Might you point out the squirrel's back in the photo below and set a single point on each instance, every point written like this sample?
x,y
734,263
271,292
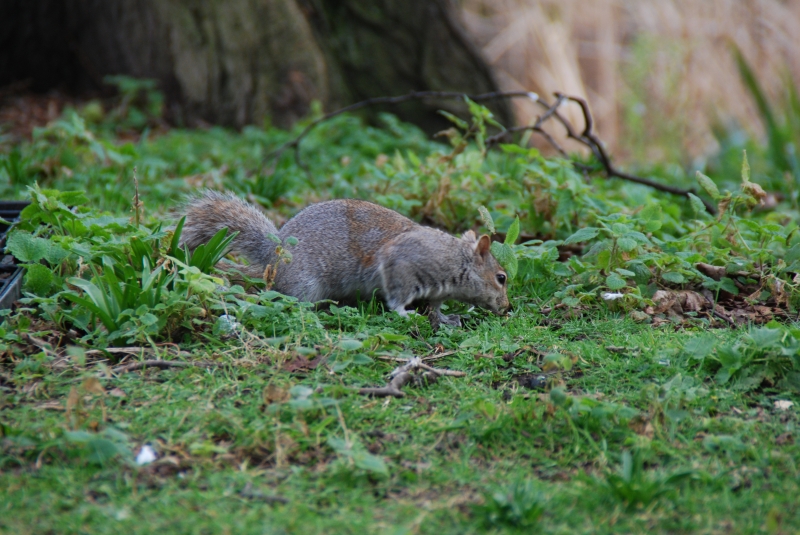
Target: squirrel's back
x,y
336,254
349,248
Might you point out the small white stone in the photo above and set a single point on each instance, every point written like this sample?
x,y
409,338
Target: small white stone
x,y
146,455
783,404
609,296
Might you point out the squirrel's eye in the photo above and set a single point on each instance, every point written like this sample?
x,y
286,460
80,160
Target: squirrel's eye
x,y
501,278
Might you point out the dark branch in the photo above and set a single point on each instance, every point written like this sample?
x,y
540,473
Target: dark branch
x,y
587,138
414,95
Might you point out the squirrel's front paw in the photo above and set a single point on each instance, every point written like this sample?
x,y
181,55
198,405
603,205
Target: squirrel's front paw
x,y
437,318
452,319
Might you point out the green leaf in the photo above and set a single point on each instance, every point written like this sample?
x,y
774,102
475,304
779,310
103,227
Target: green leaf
x,y
559,397
674,277
348,344
651,212
370,463
697,204
584,234
730,357
701,346
615,282
652,226
38,279
627,244
460,123
604,259
505,257
486,217
766,338
745,168
513,232
708,185
728,285
26,247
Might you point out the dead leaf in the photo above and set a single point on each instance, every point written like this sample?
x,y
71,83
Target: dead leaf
x,y
275,394
784,439
641,426
302,364
715,272
117,393
691,301
92,385
755,191
51,406
72,400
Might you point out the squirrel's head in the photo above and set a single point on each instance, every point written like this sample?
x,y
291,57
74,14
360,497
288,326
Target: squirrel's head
x,y
491,286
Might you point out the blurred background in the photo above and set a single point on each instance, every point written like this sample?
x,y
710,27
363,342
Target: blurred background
x,y
670,82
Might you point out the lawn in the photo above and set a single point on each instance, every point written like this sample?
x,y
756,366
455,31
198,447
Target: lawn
x,y
631,389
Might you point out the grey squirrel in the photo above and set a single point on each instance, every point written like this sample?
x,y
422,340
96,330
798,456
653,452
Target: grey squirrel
x,y
349,248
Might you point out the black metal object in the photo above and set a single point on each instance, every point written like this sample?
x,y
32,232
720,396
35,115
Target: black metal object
x,y
10,273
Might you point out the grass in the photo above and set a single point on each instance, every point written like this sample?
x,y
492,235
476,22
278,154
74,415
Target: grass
x,y
576,420
445,446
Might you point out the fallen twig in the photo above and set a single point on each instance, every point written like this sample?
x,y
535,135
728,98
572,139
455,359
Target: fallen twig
x,y
250,494
161,364
392,389
133,350
41,344
402,375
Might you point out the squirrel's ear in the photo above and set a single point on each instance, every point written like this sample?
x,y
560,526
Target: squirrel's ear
x,y
483,245
469,237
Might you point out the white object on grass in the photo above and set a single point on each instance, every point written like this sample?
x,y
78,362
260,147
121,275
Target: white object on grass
x,y
146,455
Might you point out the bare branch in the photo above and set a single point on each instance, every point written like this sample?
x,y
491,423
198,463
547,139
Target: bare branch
x,y
402,375
589,139
414,95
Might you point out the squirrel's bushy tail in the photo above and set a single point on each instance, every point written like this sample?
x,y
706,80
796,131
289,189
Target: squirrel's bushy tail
x,y
211,211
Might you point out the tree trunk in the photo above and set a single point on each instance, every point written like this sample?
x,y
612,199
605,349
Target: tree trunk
x,y
392,47
237,62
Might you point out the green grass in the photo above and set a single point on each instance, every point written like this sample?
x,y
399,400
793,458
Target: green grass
x,y
599,424
445,446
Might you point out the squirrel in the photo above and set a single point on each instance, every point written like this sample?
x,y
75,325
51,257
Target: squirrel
x,y
348,248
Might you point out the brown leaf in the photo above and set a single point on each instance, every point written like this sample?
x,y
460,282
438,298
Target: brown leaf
x,y
92,385
51,406
663,300
72,399
641,426
691,301
715,272
275,394
755,191
301,364
784,439
117,393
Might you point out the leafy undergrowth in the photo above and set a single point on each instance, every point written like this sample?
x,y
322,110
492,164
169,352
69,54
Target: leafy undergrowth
x,y
647,381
